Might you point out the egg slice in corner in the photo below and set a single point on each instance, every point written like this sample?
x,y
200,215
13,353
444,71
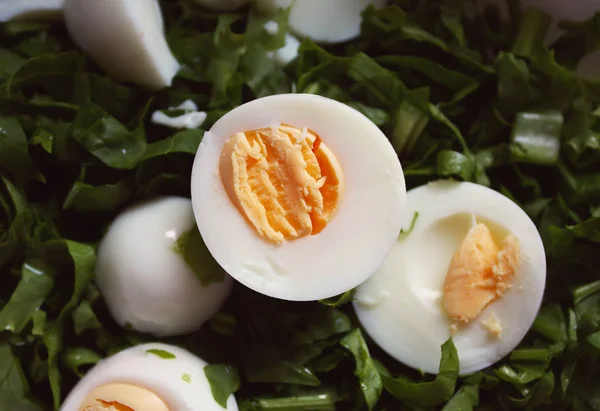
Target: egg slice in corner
x,y
473,267
124,37
297,196
147,377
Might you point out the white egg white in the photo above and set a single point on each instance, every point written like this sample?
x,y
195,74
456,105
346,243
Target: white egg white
x,y
124,37
401,306
148,285
30,9
331,21
180,382
356,240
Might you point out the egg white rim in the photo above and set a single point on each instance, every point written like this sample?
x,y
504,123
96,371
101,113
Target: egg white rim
x,y
304,281
489,205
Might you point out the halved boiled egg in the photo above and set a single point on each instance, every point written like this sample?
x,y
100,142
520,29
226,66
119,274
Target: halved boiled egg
x,y
473,267
297,196
147,377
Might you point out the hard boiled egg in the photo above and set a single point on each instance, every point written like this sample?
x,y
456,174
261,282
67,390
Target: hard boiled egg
x,y
124,37
148,377
30,9
146,283
473,267
332,21
297,196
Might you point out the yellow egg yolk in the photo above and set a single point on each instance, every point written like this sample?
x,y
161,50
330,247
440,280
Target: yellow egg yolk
x,y
285,181
122,397
479,273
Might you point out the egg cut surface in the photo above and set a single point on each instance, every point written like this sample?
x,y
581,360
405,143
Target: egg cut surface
x,y
124,37
473,268
331,21
146,283
147,377
297,196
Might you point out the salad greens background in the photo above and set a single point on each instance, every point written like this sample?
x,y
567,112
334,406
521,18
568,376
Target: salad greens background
x,y
460,94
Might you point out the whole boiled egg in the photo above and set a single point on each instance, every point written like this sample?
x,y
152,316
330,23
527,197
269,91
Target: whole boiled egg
x,y
147,377
297,196
472,267
331,21
124,37
143,274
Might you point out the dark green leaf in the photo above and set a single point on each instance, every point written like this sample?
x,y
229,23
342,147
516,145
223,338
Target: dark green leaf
x,y
192,248
429,393
224,381
107,139
78,359
27,298
84,197
14,154
370,380
14,391
452,163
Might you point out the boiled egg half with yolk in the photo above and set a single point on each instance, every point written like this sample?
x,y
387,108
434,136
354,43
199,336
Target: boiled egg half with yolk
x,y
147,377
473,267
297,196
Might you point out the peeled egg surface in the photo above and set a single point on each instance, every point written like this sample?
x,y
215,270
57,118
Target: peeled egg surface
x,y
402,306
332,21
147,284
30,9
126,38
333,246
152,377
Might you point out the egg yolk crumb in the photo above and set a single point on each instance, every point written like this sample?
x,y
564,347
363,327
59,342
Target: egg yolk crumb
x,y
122,397
284,180
479,273
492,323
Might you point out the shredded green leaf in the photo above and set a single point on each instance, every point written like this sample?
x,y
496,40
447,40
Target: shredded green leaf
x,y
165,355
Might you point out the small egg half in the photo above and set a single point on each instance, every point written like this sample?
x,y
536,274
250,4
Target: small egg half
x,y
473,267
147,377
297,196
146,282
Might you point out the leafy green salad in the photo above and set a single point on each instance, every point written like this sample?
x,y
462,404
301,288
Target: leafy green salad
x,y
460,92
